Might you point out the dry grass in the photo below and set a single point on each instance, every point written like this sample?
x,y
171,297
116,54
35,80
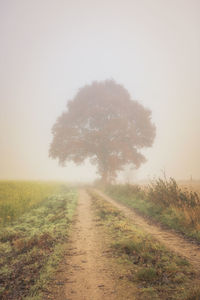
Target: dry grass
x,y
192,215
184,200
193,185
176,205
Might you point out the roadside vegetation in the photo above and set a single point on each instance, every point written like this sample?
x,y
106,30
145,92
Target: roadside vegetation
x,y
164,201
32,246
155,271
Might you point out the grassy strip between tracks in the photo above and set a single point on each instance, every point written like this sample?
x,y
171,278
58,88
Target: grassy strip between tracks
x,y
157,272
32,247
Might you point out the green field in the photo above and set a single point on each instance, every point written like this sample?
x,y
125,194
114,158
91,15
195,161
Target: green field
x,y
17,197
36,219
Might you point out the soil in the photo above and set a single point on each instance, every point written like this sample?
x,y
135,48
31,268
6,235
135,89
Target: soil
x,y
172,240
88,271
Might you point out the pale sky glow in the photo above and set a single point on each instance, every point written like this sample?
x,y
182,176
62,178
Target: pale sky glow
x,y
51,48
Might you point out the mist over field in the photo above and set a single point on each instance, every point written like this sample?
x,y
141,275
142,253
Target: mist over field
x,y
50,49
99,149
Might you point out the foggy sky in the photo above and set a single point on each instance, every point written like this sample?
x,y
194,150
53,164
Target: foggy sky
x,y
51,48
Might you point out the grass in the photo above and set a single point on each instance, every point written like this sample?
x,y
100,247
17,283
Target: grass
x,y
157,272
17,197
32,246
164,201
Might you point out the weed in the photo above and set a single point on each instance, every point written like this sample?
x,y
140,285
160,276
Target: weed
x,y
147,274
164,201
194,294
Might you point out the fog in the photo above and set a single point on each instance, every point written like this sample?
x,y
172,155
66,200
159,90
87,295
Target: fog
x,y
49,49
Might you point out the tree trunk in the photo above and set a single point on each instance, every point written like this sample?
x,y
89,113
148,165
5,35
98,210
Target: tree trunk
x,y
105,177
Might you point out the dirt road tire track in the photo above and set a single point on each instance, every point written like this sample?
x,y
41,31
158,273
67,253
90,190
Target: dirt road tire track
x,y
171,240
90,274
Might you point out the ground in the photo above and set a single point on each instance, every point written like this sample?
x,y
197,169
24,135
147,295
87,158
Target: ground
x,y
88,270
172,240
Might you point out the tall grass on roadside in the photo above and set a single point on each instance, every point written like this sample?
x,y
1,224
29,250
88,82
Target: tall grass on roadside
x,y
184,203
17,197
167,192
165,201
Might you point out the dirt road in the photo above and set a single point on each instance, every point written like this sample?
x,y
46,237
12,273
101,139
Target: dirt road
x,y
171,240
90,274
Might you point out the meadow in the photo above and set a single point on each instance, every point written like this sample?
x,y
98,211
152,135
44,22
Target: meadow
x,y
174,205
17,197
36,219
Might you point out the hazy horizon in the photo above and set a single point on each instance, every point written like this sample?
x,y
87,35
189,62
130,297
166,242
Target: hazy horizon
x,y
50,49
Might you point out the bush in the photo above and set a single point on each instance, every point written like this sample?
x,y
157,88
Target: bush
x,y
167,192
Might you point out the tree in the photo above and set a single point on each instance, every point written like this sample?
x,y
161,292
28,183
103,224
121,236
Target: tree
x,y
103,124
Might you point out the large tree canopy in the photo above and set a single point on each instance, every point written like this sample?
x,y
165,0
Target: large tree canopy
x,y
103,124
